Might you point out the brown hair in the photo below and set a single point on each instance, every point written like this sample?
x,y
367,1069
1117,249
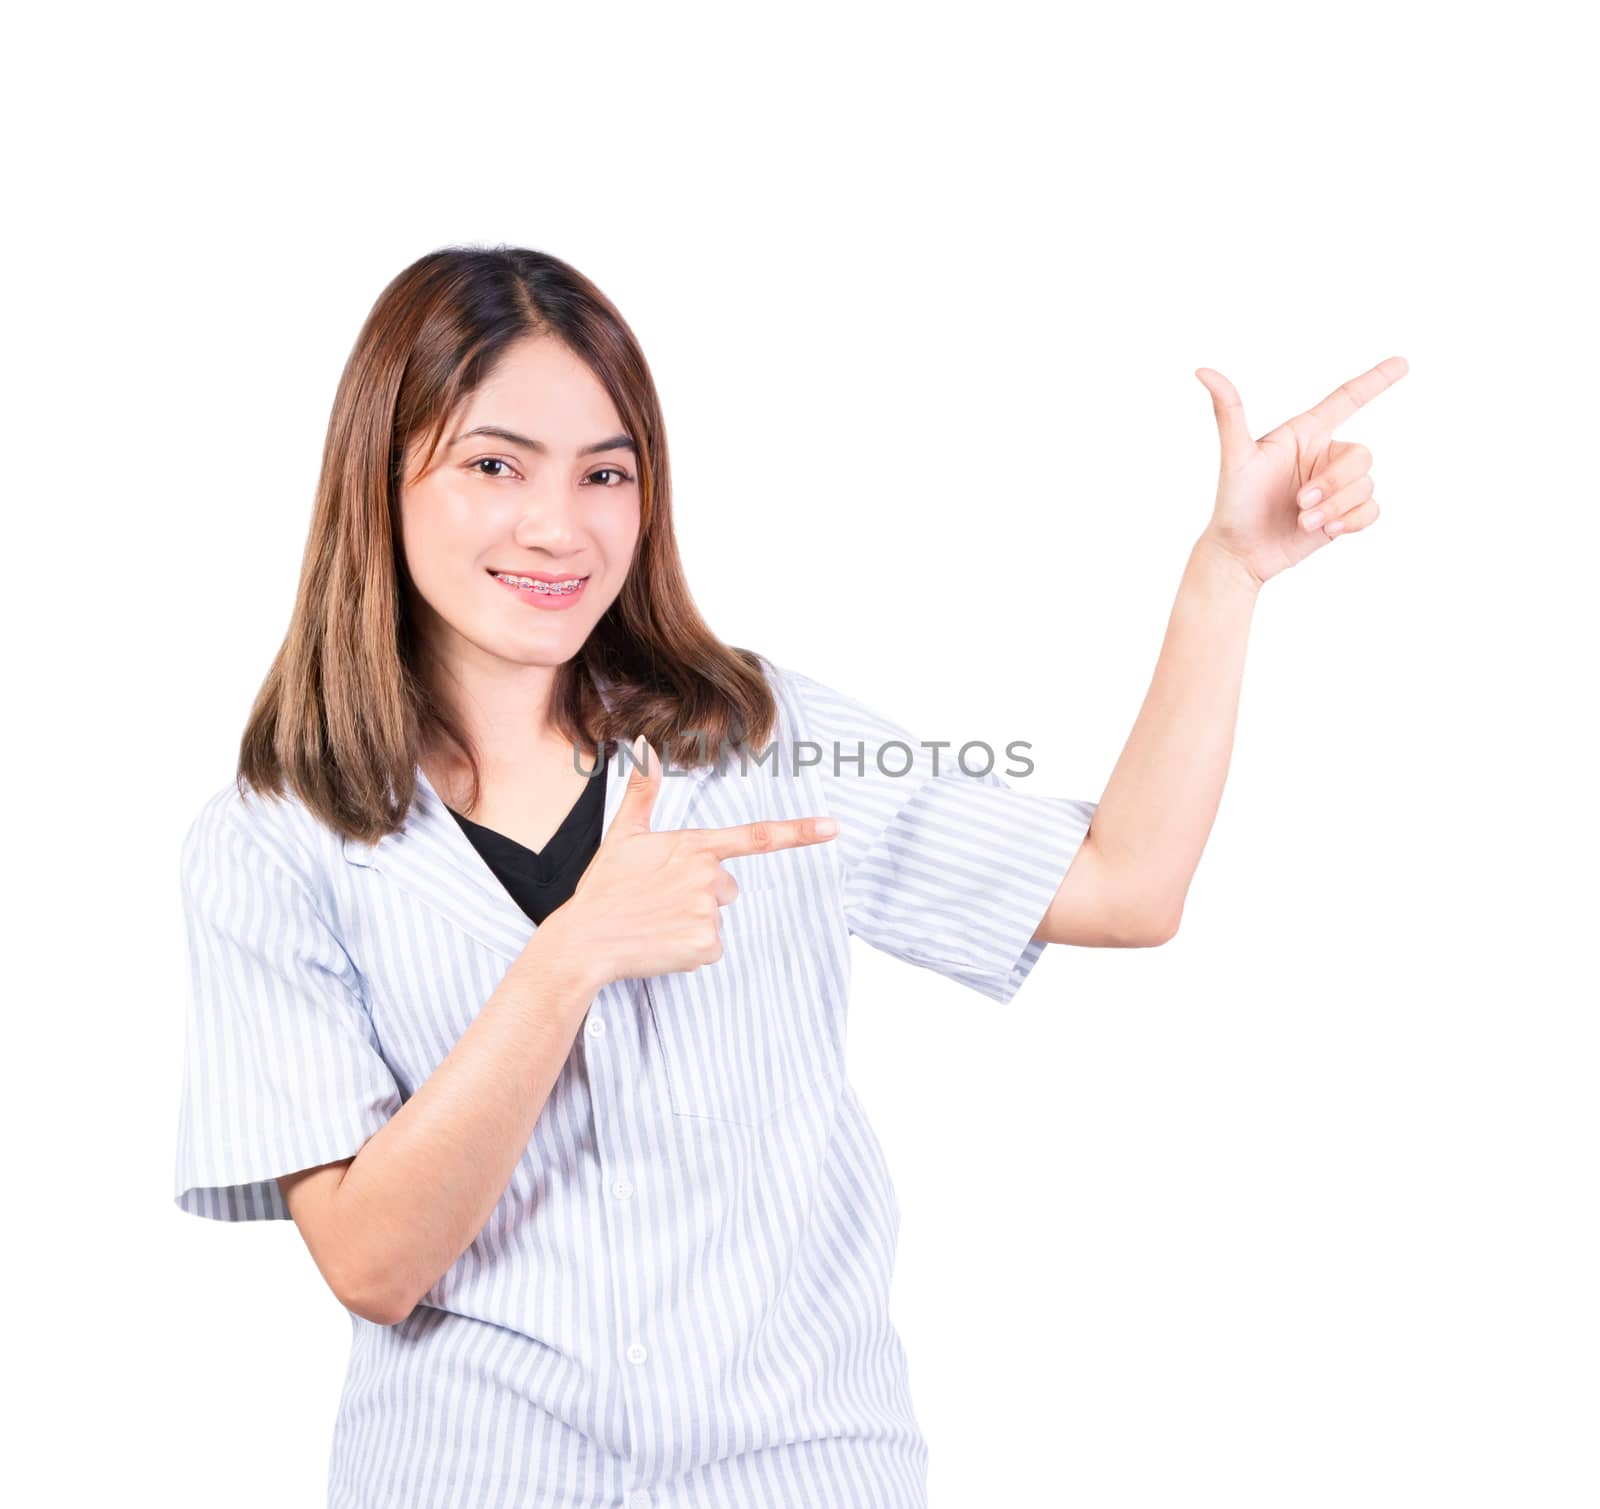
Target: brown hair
x,y
345,711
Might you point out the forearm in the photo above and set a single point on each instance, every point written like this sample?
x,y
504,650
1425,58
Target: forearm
x,y
424,1186
1151,825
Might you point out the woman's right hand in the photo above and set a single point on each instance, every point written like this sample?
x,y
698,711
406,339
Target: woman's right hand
x,y
650,903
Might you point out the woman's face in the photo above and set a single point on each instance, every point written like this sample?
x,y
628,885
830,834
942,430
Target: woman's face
x,y
554,496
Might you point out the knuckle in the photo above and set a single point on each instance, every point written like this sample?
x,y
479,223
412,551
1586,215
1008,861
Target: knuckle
x,y
761,837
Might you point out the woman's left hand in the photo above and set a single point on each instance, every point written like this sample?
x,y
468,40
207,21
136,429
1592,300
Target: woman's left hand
x,y
1265,514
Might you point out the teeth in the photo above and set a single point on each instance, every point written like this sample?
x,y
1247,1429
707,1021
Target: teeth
x,y
557,589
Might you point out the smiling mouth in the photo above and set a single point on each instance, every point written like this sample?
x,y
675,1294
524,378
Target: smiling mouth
x,y
563,586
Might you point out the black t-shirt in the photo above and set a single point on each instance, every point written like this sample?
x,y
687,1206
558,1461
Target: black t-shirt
x,y
541,880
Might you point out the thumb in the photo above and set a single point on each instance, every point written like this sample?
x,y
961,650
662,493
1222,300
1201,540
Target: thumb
x,y
644,781
1231,428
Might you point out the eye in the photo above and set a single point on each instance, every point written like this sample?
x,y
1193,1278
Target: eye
x,y
616,471
490,461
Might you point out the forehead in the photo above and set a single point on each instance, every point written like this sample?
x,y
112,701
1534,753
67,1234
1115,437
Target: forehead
x,y
539,380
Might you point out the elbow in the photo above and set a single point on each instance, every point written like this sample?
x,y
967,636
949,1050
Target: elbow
x,y
375,1301
1119,929
379,1310
1105,905
1156,936
1150,929
1152,918
1163,927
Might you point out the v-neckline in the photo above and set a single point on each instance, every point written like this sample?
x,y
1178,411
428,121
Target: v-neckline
x,y
557,848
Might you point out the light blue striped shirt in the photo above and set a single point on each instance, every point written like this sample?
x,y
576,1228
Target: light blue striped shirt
x,y
681,1300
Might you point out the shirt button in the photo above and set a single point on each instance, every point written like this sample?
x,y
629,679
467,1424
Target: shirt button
x,y
637,1353
622,1189
597,1026
638,1499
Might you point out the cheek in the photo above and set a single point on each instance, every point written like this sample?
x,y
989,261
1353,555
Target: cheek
x,y
448,514
617,529
443,535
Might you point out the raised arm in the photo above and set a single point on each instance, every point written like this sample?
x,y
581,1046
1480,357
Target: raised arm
x,y
1279,499
1126,887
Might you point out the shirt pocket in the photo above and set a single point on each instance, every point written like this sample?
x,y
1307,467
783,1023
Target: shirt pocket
x,y
745,1039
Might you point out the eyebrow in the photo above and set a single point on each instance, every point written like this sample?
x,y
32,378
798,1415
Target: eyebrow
x,y
511,437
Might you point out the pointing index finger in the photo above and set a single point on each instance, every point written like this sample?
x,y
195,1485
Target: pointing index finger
x,y
1340,404
763,838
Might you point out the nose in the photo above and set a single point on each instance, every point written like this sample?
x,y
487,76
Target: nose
x,y
550,521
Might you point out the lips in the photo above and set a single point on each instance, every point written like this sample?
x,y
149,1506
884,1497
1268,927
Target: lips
x,y
546,594
542,576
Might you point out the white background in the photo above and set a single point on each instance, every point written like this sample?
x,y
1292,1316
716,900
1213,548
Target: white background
x,y
1297,1209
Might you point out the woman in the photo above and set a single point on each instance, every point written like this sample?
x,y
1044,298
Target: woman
x,y
540,1045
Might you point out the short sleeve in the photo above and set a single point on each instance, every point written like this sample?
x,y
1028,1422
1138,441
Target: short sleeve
x,y
946,870
281,1065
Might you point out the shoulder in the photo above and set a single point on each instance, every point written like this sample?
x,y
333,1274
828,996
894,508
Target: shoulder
x,y
796,697
785,681
236,828
803,701
819,711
